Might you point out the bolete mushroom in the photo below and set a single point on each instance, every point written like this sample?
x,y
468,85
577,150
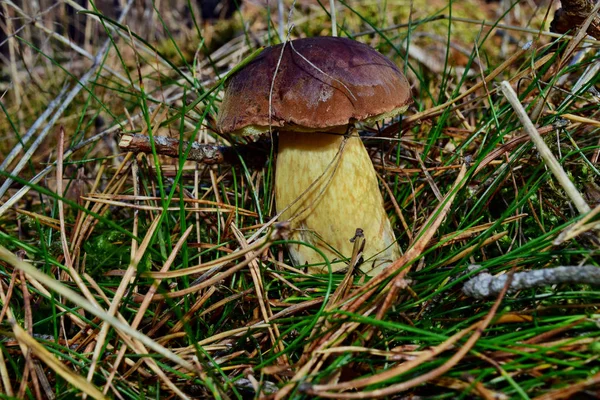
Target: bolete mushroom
x,y
313,91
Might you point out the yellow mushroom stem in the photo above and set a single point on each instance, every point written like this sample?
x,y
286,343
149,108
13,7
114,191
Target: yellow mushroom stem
x,y
344,196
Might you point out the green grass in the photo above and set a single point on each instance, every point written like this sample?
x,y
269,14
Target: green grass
x,y
164,80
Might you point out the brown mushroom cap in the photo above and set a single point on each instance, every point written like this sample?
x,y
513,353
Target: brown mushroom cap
x,y
348,81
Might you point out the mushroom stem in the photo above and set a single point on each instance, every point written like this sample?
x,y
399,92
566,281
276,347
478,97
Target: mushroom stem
x,y
327,187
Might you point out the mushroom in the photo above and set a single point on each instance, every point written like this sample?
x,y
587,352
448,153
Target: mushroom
x,y
313,91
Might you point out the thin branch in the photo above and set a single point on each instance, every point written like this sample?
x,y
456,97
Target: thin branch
x,y
201,153
486,285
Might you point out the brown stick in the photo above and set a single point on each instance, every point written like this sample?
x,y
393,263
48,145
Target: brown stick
x,y
572,14
202,153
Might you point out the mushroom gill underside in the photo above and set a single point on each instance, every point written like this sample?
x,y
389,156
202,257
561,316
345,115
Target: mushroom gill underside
x,y
328,188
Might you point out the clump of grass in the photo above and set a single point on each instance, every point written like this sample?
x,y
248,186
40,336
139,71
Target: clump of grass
x,y
141,275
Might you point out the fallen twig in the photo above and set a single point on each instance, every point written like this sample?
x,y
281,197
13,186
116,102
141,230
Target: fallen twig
x,y
486,285
202,153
